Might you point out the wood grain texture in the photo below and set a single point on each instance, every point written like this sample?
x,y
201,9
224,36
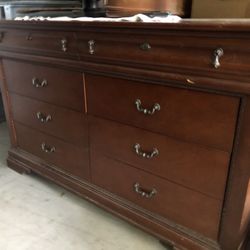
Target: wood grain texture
x,y
171,201
31,141
202,107
65,88
39,42
25,112
187,164
192,116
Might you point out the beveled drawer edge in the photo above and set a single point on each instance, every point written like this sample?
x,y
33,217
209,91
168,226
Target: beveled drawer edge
x,y
165,78
173,182
22,159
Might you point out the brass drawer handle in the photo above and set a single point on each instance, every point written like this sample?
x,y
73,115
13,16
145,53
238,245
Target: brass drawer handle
x,y
139,152
218,53
91,44
139,107
143,192
47,149
42,117
145,47
39,84
64,43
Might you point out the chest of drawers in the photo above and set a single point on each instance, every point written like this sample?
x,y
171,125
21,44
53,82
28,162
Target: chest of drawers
x,y
148,121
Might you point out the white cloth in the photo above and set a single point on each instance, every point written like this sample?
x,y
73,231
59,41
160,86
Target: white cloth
x,y
135,18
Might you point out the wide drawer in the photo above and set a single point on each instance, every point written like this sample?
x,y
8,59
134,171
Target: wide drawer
x,y
189,115
70,159
66,124
168,51
183,206
52,85
62,44
200,168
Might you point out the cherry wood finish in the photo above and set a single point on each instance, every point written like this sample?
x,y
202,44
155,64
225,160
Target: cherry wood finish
x,y
19,76
95,73
178,52
210,123
181,203
25,110
39,42
175,161
31,141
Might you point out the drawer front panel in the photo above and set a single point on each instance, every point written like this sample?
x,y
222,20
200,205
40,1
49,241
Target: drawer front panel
x,y
71,159
195,54
202,118
66,124
200,168
52,85
183,206
39,42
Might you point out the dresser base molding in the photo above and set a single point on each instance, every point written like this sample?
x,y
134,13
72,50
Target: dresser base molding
x,y
167,232
18,166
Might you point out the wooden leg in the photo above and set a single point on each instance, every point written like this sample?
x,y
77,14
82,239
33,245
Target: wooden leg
x,y
16,166
167,245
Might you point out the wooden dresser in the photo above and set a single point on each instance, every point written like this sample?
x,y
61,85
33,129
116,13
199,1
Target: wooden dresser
x,y
149,121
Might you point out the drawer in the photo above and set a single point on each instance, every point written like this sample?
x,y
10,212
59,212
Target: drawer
x,y
52,85
183,206
198,117
66,157
41,42
169,51
187,164
66,124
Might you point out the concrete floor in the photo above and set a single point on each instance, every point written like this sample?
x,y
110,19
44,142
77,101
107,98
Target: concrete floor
x,y
38,215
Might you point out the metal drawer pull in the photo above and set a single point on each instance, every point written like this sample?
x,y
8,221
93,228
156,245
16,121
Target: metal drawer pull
x,y
39,84
64,44
42,117
156,107
218,53
143,192
139,152
145,46
47,149
91,44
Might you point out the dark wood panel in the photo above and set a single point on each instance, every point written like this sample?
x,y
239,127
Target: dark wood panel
x,y
168,50
66,124
62,44
172,201
181,54
199,117
64,88
71,159
202,169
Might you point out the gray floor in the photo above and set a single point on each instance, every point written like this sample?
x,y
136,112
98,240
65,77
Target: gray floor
x,y
36,214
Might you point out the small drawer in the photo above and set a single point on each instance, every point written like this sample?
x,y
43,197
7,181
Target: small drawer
x,y
70,159
168,52
54,43
176,203
186,164
52,85
194,116
66,124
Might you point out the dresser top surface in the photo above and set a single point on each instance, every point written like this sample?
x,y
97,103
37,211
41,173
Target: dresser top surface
x,y
234,25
